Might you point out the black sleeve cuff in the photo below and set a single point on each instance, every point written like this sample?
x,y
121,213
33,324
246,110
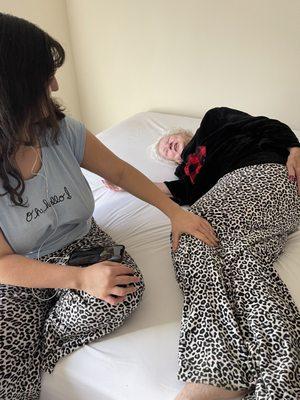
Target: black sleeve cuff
x,y
178,191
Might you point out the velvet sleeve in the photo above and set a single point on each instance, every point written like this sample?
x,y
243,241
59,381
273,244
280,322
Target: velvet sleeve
x,y
223,122
218,117
277,135
180,190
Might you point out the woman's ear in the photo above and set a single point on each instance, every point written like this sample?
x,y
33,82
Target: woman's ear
x,y
53,85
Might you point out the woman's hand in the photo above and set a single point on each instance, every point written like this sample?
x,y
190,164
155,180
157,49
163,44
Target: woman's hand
x,y
111,186
102,279
187,222
293,166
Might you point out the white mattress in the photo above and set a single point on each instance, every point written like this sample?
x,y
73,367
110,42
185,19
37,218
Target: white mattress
x,y
139,361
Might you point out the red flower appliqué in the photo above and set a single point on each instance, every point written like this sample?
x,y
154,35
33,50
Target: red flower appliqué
x,y
195,162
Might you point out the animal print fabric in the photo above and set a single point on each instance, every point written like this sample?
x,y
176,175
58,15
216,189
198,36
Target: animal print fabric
x,y
35,334
240,327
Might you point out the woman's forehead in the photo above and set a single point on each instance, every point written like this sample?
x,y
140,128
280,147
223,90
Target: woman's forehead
x,y
163,139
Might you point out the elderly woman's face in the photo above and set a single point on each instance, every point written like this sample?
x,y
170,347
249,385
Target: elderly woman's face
x,y
171,147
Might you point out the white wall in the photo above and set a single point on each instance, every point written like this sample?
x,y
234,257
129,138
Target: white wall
x,y
185,56
51,16
177,56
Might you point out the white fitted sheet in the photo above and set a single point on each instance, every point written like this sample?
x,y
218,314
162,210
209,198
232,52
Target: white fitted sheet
x,y
139,361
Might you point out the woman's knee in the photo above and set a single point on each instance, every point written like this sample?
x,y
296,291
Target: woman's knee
x,y
134,298
76,311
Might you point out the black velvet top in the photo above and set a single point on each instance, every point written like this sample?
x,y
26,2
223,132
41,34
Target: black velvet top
x,y
226,140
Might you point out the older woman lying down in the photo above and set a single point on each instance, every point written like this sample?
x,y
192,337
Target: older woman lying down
x,y
240,326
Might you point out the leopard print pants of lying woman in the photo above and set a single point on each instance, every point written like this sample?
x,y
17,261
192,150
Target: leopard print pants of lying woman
x,y
240,326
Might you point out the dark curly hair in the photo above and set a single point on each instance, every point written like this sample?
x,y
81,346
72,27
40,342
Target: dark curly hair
x,y
29,58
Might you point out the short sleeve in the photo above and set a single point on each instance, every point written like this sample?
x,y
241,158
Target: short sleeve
x,y
74,132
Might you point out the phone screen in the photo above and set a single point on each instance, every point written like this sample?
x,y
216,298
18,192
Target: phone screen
x,y
92,256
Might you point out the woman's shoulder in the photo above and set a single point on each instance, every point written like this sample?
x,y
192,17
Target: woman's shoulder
x,y
71,130
68,128
72,136
70,124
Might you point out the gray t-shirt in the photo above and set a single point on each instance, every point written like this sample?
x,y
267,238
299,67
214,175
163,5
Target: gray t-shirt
x,y
36,230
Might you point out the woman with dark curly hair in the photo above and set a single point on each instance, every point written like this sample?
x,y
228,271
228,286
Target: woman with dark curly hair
x,y
46,209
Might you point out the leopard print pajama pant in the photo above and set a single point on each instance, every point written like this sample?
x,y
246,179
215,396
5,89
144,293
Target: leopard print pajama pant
x,y
35,334
240,327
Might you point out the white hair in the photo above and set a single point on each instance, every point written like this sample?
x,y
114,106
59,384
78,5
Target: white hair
x,y
153,148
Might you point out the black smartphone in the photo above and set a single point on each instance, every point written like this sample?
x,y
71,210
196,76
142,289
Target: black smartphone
x,y
84,258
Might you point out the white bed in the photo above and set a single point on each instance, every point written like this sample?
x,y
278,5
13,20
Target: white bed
x,y
139,361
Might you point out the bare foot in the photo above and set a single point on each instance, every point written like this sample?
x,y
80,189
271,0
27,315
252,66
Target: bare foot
x,y
198,391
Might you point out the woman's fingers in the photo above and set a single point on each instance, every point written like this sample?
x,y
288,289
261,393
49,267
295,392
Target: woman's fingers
x,y
105,183
291,172
192,224
120,291
294,174
126,280
208,239
298,179
204,226
208,231
175,240
293,166
207,225
204,235
114,300
119,269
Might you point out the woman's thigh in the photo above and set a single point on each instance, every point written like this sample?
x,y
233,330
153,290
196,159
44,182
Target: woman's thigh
x,y
251,201
22,317
78,318
252,211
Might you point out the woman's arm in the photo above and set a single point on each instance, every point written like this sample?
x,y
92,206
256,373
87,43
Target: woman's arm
x,y
101,161
163,187
18,270
100,282
116,188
